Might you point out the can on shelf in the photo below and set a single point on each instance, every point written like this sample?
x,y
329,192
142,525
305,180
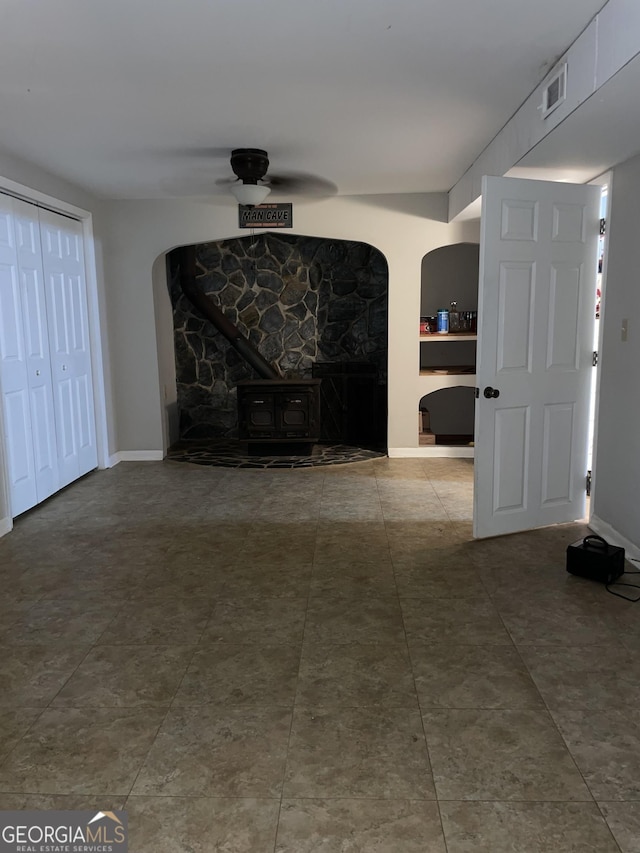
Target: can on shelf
x,y
443,321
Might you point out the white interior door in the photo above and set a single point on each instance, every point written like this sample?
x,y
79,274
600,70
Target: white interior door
x,y
63,261
538,265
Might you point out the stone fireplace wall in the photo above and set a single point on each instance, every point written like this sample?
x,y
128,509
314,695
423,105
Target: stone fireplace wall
x,y
299,300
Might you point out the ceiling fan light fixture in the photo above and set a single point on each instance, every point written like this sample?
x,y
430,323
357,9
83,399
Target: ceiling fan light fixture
x,y
250,194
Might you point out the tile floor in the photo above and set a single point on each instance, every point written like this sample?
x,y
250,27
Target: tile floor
x,y
314,660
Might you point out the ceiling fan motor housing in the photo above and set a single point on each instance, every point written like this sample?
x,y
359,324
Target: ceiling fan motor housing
x,y
249,164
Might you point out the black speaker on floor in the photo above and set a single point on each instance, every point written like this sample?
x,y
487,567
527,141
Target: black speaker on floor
x,y
593,558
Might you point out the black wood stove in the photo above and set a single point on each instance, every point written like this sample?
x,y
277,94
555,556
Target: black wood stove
x,y
279,415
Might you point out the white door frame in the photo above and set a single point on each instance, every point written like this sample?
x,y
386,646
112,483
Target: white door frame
x,y
95,327
603,180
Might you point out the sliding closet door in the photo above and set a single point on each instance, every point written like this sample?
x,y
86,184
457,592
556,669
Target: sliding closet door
x,y
64,275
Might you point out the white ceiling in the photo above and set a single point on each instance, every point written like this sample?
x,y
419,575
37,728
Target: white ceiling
x,y
146,98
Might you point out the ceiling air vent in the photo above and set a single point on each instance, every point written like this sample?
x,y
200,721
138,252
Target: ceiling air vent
x,y
555,91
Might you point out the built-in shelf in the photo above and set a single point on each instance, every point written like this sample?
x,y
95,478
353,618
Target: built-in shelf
x,y
449,336
446,375
429,381
455,370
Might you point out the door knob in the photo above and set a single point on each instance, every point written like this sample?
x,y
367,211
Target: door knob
x,y
37,373
491,392
64,366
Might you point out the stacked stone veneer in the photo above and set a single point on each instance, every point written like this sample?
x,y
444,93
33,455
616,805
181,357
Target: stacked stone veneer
x,y
298,299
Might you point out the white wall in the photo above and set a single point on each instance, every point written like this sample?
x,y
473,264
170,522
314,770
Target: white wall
x,y
616,501
15,172
404,228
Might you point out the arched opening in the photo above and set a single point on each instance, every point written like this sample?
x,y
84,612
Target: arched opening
x,y
447,360
312,307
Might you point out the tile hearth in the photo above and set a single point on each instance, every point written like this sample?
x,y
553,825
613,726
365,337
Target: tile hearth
x,y
318,659
228,453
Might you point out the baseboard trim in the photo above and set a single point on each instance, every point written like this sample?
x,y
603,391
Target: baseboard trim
x,y
611,535
433,450
6,525
136,456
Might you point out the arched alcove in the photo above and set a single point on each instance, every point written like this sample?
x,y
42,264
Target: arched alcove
x,y
447,362
450,273
301,301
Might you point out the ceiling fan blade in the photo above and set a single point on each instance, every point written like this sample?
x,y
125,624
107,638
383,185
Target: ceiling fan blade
x,y
301,183
186,153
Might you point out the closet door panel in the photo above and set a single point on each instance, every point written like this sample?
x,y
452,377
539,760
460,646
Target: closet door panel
x,y
38,357
61,368
85,425
18,440
68,457
12,340
39,379
13,371
63,260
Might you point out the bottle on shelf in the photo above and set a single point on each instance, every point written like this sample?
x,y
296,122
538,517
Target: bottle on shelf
x,y
454,317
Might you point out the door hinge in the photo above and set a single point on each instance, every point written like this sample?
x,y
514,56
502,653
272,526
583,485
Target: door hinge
x,y
603,227
588,483
594,358
477,393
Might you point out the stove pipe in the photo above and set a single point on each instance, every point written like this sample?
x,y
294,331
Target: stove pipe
x,y
206,306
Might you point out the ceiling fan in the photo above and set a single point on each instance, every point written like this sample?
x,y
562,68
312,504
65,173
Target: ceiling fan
x,y
252,184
